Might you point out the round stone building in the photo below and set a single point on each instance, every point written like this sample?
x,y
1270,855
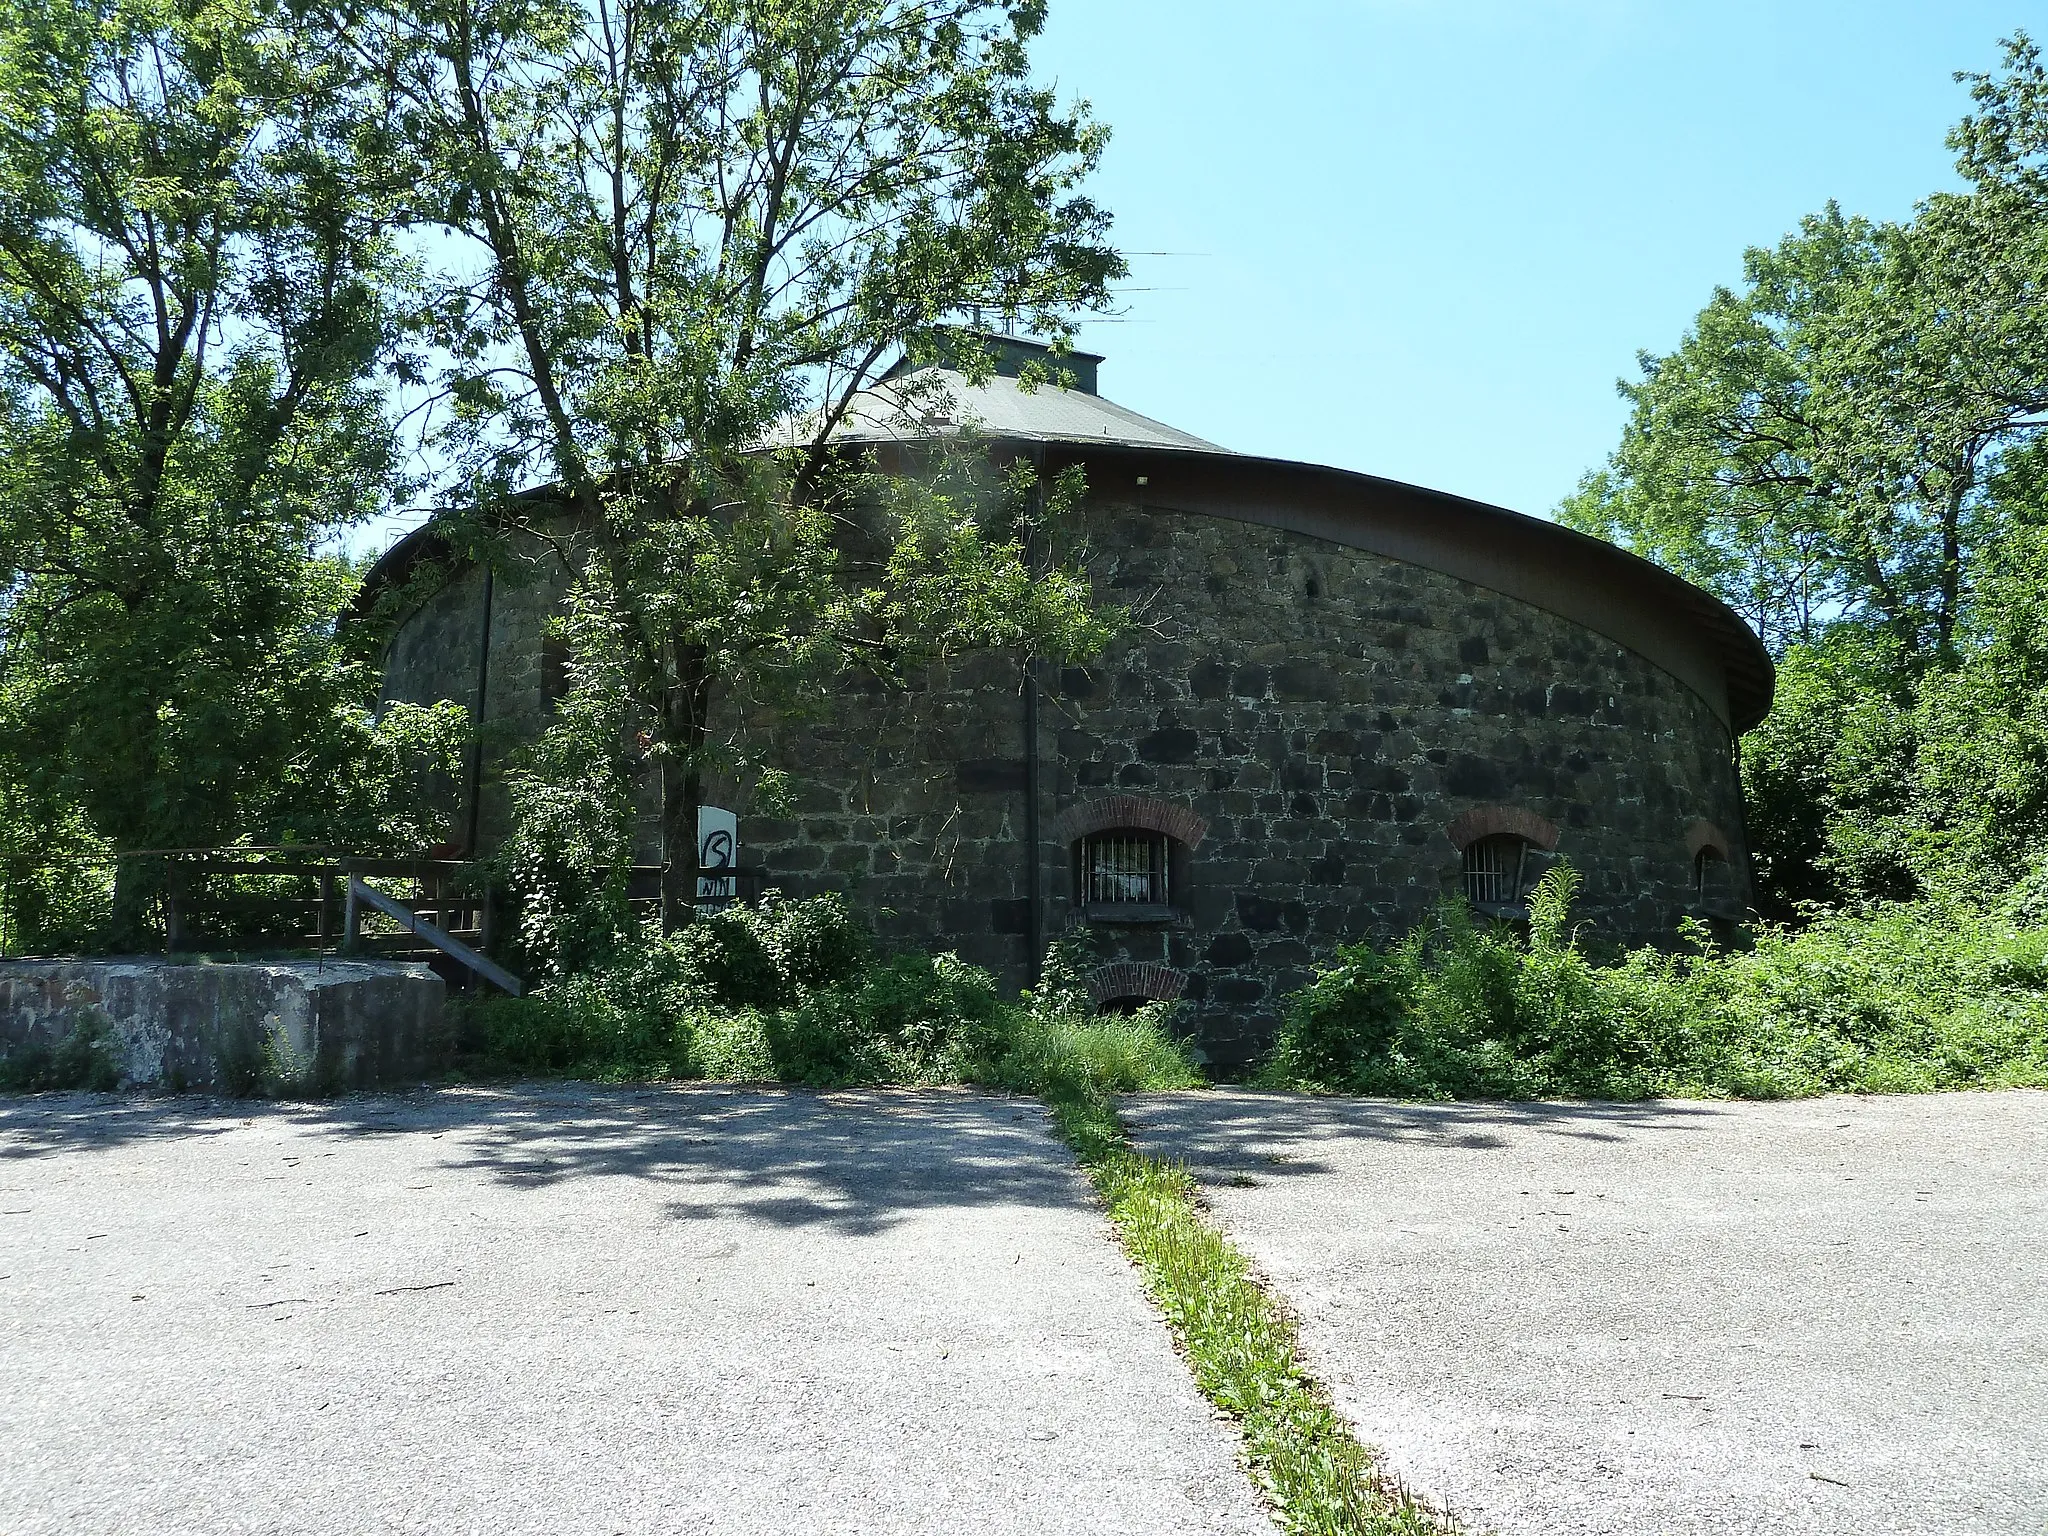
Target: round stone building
x,y
1344,699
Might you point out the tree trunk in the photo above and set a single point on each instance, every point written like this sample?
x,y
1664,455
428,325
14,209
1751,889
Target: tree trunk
x,y
682,792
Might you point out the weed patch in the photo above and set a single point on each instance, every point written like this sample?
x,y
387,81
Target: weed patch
x,y
85,1057
1238,1341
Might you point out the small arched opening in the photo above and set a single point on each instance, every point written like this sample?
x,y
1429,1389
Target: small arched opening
x,y
1130,857
1500,849
1130,985
1713,873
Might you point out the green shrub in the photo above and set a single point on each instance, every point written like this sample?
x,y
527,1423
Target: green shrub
x,y
1899,998
794,991
85,1057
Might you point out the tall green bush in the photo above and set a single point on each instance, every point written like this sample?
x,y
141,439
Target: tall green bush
x,y
795,991
1897,998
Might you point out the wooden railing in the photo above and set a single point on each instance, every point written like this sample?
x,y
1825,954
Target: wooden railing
x,y
297,898
361,896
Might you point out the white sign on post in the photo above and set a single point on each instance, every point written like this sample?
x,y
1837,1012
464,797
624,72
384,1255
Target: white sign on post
x,y
718,847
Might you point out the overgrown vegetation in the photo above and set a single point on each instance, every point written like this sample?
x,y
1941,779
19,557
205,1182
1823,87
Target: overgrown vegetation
x,y
1899,998
798,992
84,1057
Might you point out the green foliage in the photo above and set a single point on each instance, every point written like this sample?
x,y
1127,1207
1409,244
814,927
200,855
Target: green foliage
x,y
1848,450
1899,998
191,323
698,230
794,991
85,1057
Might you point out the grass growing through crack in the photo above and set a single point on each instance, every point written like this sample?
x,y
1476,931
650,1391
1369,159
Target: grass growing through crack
x,y
796,991
1239,1343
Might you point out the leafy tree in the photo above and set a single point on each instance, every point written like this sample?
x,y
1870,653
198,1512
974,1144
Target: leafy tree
x,y
189,325
688,234
1822,447
1847,452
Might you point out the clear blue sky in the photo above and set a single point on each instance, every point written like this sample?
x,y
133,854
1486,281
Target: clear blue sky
x,y
1425,237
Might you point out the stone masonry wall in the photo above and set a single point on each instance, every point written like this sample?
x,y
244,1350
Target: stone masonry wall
x,y
1326,711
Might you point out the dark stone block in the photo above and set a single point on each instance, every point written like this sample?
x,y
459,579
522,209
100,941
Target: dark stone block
x,y
1305,806
1573,701
1094,775
1228,949
1472,651
803,856
1210,680
1175,744
1079,746
1262,915
1377,776
1237,991
1284,952
1475,778
1221,779
1328,870
1136,776
989,776
1009,916
1077,683
1304,682
1248,683
1300,773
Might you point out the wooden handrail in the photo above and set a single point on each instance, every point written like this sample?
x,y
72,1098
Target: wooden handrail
x,y
447,944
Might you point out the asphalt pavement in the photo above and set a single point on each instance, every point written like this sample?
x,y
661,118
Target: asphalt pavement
x,y
1826,1317
562,1310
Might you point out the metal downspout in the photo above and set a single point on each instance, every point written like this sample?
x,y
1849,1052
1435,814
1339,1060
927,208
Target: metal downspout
x,y
483,685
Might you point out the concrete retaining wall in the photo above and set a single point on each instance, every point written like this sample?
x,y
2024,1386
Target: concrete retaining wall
x,y
295,1026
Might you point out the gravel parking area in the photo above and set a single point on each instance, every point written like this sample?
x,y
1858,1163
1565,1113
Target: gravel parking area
x,y
560,1309
1827,1317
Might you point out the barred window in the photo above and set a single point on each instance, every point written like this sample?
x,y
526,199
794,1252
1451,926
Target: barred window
x,y
1125,868
1496,870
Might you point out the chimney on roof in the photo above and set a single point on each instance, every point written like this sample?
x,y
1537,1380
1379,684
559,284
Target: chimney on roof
x,y
1012,355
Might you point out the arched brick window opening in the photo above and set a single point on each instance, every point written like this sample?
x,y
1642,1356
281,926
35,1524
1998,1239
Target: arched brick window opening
x,y
1496,871
1130,856
1128,986
1497,845
1712,876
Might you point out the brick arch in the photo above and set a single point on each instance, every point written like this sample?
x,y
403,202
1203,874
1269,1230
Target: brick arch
x,y
1118,812
1703,836
1147,979
1497,820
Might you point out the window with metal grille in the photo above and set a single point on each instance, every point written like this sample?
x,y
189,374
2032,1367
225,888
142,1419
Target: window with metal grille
x,y
1495,870
1125,869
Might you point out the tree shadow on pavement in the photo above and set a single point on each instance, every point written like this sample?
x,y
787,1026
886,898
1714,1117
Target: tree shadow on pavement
x,y
1279,1134
857,1161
